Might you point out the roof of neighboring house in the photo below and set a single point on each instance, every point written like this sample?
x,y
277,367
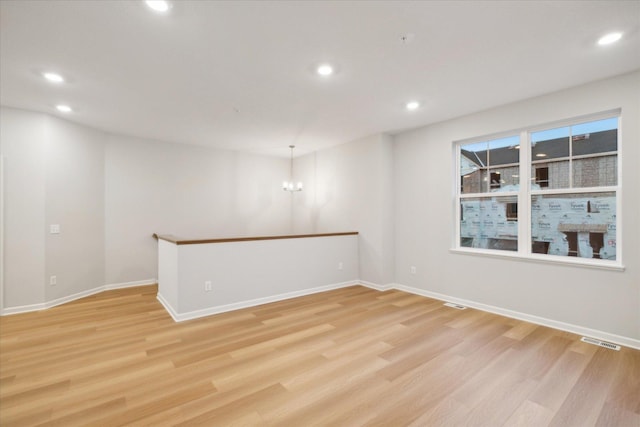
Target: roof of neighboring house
x,y
596,142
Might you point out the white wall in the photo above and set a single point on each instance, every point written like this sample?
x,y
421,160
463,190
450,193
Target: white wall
x,y
188,191
250,272
109,194
398,195
53,174
603,300
22,139
74,199
349,188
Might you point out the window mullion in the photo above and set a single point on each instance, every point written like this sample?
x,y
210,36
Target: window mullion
x,y
574,217
524,199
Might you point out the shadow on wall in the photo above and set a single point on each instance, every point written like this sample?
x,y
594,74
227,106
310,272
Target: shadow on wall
x,y
318,195
252,200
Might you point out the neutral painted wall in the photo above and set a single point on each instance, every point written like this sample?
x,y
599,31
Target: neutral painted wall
x,y
603,300
109,194
188,191
350,188
253,270
53,174
74,199
398,195
22,139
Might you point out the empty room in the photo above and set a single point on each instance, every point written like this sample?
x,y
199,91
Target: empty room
x,y
319,213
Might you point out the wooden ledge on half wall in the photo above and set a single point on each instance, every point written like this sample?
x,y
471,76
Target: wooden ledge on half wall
x,y
180,241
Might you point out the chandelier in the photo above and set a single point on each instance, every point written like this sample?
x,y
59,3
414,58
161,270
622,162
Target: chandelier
x,y
289,185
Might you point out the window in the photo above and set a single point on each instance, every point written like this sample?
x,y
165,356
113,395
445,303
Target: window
x,y
495,180
566,208
489,171
542,176
512,211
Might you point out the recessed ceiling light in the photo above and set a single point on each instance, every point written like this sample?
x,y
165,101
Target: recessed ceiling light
x,y
53,77
541,155
161,6
609,38
63,108
325,70
413,105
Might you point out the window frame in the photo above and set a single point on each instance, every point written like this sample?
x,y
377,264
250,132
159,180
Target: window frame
x,y
525,193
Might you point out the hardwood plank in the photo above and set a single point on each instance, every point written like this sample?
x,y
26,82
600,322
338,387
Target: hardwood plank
x,y
585,402
530,414
349,357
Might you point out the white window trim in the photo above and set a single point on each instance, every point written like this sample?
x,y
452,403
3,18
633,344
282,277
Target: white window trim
x,y
525,193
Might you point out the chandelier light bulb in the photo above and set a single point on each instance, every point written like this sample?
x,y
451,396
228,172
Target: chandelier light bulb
x,y
290,185
325,70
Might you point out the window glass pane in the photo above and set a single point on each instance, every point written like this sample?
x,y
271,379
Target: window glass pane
x,y
595,171
576,225
550,158
578,156
589,141
600,136
490,165
489,223
550,144
550,175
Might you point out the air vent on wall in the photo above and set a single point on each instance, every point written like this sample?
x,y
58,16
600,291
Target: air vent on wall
x,y
600,343
459,307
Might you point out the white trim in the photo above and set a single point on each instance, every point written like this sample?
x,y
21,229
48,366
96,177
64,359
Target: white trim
x,y
172,312
579,330
180,317
525,194
24,309
377,287
601,264
2,232
73,297
177,317
122,285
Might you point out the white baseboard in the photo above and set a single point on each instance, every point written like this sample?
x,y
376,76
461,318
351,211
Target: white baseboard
x,y
180,317
73,297
23,308
376,286
123,285
172,312
568,327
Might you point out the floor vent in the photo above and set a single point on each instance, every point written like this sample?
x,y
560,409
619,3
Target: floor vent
x,y
600,343
459,307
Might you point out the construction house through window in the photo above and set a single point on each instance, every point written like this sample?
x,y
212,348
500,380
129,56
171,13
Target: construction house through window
x,y
542,176
570,199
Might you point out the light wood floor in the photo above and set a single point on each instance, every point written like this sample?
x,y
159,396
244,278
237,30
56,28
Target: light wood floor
x,y
349,357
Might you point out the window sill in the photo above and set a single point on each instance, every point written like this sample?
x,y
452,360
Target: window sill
x,y
544,259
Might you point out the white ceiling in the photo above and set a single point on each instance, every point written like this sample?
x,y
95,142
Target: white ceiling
x,y
240,75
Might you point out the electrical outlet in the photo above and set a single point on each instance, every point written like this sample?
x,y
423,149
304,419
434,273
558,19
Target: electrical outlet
x,y
53,280
413,269
340,265
54,229
207,285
